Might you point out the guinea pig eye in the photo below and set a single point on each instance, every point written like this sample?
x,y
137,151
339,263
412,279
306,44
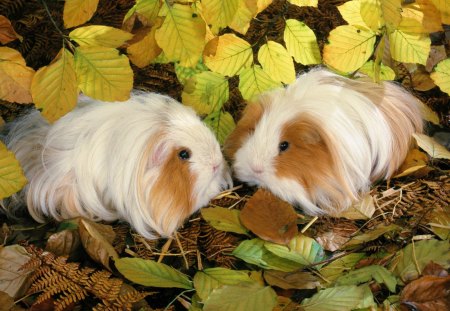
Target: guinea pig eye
x,y
283,146
184,154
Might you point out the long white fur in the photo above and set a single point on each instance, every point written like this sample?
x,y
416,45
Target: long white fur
x,y
96,156
369,125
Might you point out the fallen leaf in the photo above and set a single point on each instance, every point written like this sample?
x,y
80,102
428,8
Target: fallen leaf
x,y
221,123
7,32
363,209
433,148
63,243
372,234
434,269
286,304
337,233
428,293
291,280
12,177
6,301
144,51
224,219
77,12
414,161
270,218
335,269
362,275
422,81
96,240
13,280
437,54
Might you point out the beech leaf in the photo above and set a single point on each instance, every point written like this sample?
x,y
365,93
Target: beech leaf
x,y
103,74
143,52
378,13
432,147
440,222
441,75
421,16
7,32
301,42
246,11
269,217
386,72
77,12
15,77
428,293
334,270
349,47
372,234
219,13
185,73
145,10
228,54
224,219
221,123
252,297
312,3
378,273
351,13
291,280
276,61
443,7
182,35
151,273
254,81
363,209
99,35
12,280
63,243
409,48
54,87
12,178
207,280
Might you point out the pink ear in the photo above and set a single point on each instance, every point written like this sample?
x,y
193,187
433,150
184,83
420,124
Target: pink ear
x,y
158,154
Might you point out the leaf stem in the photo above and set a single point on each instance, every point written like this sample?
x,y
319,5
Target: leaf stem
x,y
179,295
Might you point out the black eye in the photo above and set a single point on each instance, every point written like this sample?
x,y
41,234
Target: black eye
x,y
184,154
283,146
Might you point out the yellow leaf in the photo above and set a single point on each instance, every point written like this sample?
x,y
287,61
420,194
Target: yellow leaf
x,y
420,17
184,73
206,92
428,114
421,81
12,178
100,36
77,12
228,54
246,11
433,148
143,52
304,2
182,35
444,7
221,123
441,75
103,74
363,209
409,48
414,161
15,77
301,43
262,5
54,87
349,47
145,10
386,73
219,13
351,13
378,13
276,62
254,81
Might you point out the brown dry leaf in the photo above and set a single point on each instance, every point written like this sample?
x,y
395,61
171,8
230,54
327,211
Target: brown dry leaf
x,y
6,301
143,52
286,304
363,209
2,122
422,81
291,280
15,77
7,33
63,243
336,235
13,280
434,269
415,160
96,240
428,293
270,218
437,54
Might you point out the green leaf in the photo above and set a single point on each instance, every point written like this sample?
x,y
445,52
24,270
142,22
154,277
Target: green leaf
x,y
77,12
207,280
254,81
386,72
417,255
441,75
409,48
349,47
276,61
241,298
378,13
206,92
378,273
440,222
182,35
184,73
301,42
12,178
254,252
54,87
301,249
224,219
312,3
228,54
372,234
103,74
339,298
99,35
335,269
151,273
219,13
221,123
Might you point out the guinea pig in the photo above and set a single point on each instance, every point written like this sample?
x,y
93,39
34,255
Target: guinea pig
x,y
149,161
322,141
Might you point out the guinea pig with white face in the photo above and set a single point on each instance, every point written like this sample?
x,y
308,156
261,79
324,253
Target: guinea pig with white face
x,y
323,140
149,161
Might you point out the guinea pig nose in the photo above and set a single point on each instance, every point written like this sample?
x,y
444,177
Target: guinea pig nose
x,y
257,169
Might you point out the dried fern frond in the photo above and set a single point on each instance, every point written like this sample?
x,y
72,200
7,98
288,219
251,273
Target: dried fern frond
x,y
66,283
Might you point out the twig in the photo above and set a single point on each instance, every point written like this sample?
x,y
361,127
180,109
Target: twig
x,y
182,250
